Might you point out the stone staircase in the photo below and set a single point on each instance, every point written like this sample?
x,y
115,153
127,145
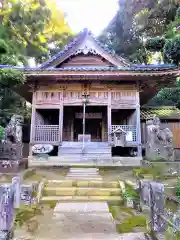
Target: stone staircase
x,y
74,151
81,184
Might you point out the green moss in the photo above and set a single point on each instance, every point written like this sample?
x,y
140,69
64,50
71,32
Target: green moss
x,y
126,210
117,210
32,175
25,213
123,228
113,211
128,224
52,204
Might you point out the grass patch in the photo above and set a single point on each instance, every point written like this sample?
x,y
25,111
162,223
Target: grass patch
x,y
115,213
154,170
128,224
126,210
32,175
26,213
117,210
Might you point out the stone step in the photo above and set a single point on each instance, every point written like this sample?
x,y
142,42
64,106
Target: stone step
x,y
92,170
81,216
83,183
83,178
83,174
87,144
75,191
90,236
97,150
83,207
47,199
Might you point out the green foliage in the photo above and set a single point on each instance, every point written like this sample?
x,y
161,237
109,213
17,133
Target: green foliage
x,y
1,132
135,22
27,28
11,77
172,50
155,44
167,97
128,224
178,188
130,192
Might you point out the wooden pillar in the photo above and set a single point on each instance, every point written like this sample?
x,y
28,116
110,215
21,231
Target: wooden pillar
x,y
61,114
109,117
138,131
72,128
33,124
102,128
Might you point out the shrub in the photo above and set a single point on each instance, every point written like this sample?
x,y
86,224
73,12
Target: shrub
x,y
171,50
155,44
178,188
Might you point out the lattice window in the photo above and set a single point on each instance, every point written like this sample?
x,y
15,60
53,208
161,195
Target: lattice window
x,y
129,129
46,133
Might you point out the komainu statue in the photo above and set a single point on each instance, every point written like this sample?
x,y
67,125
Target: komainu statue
x,y
13,131
11,146
159,141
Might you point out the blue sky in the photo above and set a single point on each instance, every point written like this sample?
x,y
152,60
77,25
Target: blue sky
x,y
92,14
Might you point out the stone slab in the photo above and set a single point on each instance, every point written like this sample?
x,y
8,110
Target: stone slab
x,y
84,170
83,177
81,216
82,207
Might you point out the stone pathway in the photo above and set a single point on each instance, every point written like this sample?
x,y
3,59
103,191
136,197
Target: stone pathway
x,y
81,220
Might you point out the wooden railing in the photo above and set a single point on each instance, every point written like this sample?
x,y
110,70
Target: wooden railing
x,y
46,133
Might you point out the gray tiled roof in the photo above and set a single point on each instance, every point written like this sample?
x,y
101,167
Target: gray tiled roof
x,y
140,68
77,40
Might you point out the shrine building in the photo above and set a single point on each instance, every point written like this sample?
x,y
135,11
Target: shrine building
x,y
86,104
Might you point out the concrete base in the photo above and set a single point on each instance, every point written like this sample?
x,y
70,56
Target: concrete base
x,y
61,161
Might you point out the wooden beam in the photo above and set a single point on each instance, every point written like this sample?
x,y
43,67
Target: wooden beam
x,y
33,119
138,129
61,113
109,116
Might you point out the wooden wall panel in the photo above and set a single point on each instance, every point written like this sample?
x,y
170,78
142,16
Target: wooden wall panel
x,y
94,87
86,61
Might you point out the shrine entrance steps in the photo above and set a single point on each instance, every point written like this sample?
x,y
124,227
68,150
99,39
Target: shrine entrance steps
x,y
75,151
82,184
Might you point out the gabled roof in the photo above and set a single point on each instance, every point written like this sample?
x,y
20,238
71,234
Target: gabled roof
x,y
119,130
85,43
